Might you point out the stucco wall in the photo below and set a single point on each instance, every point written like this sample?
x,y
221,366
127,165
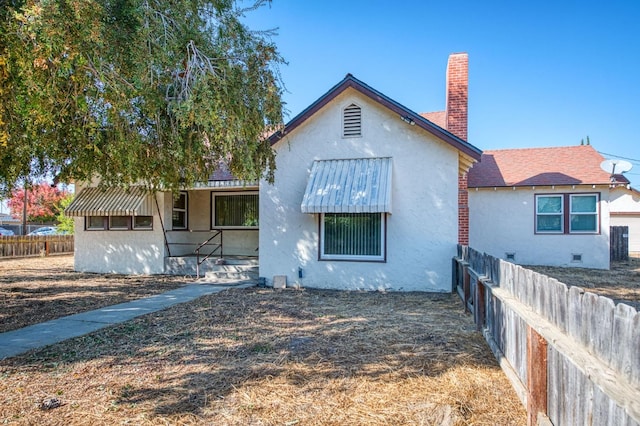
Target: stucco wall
x,y
421,231
502,221
625,211
122,252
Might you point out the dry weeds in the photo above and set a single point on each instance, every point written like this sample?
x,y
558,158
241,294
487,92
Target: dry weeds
x,y
621,283
265,357
37,289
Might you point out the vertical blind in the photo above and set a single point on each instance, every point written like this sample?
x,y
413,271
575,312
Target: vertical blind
x,y
353,234
236,210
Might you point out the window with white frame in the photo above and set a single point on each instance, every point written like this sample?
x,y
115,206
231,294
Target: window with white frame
x,y
352,236
179,215
567,214
584,213
352,121
549,213
235,210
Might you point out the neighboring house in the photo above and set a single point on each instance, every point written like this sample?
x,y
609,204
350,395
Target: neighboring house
x,y
625,211
365,197
542,206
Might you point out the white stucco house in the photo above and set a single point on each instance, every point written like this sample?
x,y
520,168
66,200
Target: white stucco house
x,y
543,206
625,211
365,197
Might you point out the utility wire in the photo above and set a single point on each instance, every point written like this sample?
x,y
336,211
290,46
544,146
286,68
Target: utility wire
x,y
618,156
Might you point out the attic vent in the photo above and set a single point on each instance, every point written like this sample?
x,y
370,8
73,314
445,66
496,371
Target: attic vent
x,y
352,121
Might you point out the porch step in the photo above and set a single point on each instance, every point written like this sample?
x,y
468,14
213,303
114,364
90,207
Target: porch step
x,y
232,272
234,268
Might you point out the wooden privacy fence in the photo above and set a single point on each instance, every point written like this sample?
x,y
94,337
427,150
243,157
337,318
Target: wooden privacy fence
x,y
572,356
35,245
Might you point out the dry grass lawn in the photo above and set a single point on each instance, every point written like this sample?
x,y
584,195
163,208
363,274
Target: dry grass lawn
x,y
264,357
34,290
621,283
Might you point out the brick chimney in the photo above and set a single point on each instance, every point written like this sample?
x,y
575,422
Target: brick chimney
x,y
457,94
456,116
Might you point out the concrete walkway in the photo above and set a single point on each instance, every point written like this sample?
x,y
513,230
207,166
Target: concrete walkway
x,y
15,342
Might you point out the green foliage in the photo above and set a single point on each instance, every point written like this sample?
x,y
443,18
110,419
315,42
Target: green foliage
x,y
134,91
65,223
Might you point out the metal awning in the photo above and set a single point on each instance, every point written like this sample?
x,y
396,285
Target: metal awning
x,y
361,185
94,201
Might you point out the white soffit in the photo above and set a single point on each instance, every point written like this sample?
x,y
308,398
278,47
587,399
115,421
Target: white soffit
x,y
361,185
95,201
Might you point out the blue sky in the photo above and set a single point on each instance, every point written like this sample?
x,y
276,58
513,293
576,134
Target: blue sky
x,y
545,73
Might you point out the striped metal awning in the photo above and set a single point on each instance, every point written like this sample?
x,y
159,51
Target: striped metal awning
x,y
94,201
361,185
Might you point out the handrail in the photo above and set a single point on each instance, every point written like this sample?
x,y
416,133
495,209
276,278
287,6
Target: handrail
x,y
216,247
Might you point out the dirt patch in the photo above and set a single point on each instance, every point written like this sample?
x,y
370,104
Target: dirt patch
x,y
268,357
38,289
620,283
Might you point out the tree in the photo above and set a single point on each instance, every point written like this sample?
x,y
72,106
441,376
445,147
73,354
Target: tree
x,y
43,203
65,223
134,91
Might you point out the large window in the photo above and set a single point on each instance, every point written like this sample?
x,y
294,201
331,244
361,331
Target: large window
x,y
352,236
235,211
180,210
584,213
550,217
567,213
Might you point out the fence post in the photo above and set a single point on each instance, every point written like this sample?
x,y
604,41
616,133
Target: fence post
x,y
537,376
466,286
479,306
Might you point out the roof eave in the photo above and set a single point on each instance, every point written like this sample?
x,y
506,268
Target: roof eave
x,y
351,82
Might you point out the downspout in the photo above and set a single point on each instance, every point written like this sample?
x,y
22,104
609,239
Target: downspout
x,y
164,231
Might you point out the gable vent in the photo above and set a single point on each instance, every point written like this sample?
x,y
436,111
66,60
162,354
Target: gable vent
x,y
352,121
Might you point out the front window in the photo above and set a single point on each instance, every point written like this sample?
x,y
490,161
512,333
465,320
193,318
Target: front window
x,y
235,211
352,236
584,213
567,214
96,223
549,213
180,209
119,222
143,222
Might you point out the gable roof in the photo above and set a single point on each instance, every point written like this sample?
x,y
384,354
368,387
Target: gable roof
x,y
568,165
403,112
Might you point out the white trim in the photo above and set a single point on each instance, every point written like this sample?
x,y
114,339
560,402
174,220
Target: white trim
x,y
185,210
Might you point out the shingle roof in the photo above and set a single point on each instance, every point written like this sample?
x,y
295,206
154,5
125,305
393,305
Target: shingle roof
x,y
569,165
438,118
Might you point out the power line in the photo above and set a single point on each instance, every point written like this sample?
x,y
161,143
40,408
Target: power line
x,y
618,156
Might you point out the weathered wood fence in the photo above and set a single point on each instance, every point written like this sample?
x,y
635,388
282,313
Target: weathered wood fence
x,y
35,245
572,356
